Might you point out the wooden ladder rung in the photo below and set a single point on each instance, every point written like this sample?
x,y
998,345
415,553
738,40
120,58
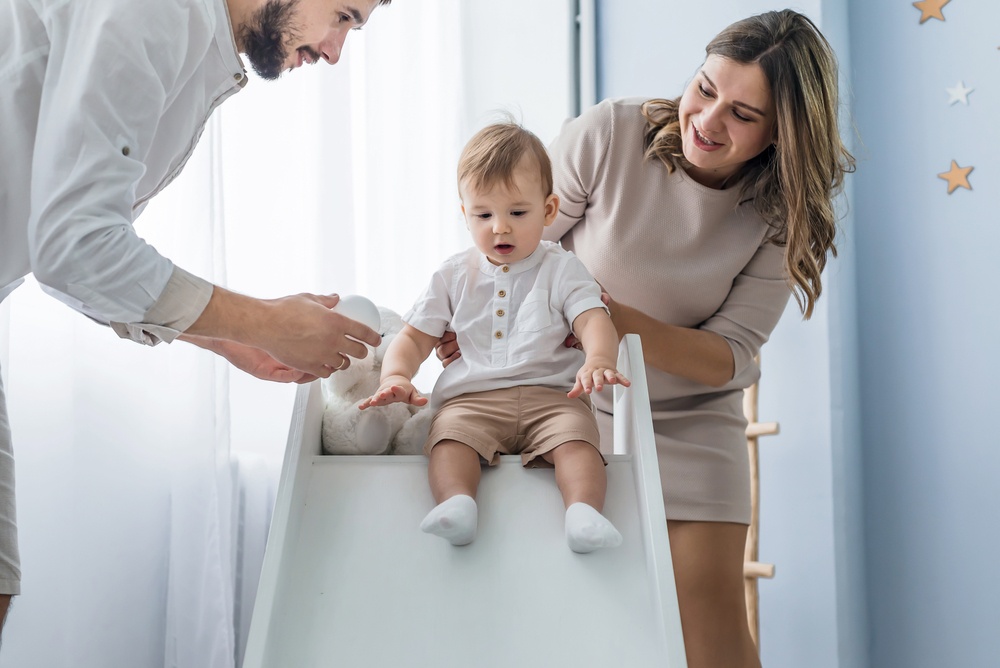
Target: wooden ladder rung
x,y
755,429
755,569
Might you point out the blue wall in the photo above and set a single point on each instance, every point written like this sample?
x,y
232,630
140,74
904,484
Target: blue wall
x,y
880,501
929,329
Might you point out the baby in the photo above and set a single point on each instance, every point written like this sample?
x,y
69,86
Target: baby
x,y
516,388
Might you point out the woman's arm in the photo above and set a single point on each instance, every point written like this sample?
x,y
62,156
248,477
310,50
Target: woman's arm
x,y
702,356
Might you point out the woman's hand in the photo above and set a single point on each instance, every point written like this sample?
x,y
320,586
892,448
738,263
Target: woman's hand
x,y
447,349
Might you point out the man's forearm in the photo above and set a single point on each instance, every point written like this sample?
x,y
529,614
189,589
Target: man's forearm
x,y
229,315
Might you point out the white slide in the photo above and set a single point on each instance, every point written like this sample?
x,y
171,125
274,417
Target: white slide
x,y
350,581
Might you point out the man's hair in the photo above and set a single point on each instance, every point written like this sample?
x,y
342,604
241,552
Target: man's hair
x,y
493,153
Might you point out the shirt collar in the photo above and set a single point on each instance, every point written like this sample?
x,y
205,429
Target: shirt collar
x,y
513,268
225,37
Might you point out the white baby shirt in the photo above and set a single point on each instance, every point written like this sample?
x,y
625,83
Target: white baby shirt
x,y
511,320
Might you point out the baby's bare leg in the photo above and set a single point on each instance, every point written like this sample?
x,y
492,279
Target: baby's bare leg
x,y
454,469
579,473
583,483
453,474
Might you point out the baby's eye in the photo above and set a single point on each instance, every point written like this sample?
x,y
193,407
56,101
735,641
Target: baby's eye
x,y
518,214
484,216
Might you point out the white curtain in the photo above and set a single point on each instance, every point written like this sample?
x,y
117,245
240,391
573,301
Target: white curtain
x,y
122,472
145,476
140,547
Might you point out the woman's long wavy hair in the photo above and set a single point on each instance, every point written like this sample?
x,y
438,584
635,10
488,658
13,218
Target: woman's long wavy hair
x,y
792,183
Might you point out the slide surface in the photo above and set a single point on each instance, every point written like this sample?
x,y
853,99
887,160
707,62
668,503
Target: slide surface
x,y
349,580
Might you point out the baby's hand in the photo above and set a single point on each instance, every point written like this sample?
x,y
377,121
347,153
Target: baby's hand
x,y
593,375
392,391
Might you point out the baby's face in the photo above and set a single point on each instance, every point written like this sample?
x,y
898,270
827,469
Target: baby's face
x,y
507,223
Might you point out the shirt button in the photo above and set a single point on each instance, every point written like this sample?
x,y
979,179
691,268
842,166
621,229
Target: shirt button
x,y
498,334
238,76
502,293
505,269
500,312
126,150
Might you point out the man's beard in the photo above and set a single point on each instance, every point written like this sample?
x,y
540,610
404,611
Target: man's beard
x,y
265,36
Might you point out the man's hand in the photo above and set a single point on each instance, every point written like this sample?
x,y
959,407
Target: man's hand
x,y
303,333
299,332
259,364
392,390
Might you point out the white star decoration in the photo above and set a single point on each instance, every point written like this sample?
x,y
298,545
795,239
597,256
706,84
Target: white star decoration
x,y
959,94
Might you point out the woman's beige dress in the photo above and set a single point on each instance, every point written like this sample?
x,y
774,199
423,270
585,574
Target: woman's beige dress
x,y
687,255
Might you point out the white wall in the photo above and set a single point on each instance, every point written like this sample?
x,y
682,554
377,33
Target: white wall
x,y
518,57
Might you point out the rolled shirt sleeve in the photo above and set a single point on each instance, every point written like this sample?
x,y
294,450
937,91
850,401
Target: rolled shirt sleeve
x,y
179,305
580,291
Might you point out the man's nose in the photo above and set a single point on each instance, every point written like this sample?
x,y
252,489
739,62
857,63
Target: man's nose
x,y
332,46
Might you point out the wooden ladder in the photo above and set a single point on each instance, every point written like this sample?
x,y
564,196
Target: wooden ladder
x,y
752,568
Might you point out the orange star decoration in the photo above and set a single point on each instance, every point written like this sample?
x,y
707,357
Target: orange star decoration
x,y
956,177
931,9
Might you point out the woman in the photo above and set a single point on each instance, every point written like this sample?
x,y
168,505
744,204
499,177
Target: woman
x,y
700,216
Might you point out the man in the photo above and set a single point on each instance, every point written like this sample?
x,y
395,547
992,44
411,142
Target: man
x,y
103,102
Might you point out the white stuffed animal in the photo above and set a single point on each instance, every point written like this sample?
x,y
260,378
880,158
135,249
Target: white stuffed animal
x,y
398,429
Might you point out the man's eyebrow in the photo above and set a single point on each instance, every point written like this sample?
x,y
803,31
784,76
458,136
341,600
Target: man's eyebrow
x,y
737,103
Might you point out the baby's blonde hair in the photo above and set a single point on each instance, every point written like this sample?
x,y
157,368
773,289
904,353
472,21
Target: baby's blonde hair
x,y
493,154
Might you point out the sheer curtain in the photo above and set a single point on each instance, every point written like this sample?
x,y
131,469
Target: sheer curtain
x,y
146,476
139,545
123,493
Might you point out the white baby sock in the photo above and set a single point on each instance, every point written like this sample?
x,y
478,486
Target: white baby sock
x,y
453,519
588,530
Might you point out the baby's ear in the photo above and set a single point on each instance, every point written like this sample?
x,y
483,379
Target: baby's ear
x,y
551,208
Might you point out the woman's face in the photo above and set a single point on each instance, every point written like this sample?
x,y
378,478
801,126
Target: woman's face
x,y
727,117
